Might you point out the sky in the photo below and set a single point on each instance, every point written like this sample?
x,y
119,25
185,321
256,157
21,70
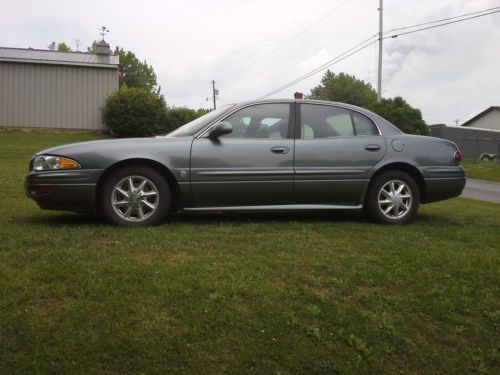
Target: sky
x,y
252,47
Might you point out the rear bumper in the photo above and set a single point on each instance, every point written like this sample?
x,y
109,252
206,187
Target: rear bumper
x,y
438,189
64,190
442,182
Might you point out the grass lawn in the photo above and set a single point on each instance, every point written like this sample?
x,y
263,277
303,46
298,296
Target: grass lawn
x,y
482,170
303,293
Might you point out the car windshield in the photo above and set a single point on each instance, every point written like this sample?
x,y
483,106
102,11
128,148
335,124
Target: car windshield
x,y
193,127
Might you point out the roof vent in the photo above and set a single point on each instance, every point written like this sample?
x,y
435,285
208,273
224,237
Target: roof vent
x,y
298,95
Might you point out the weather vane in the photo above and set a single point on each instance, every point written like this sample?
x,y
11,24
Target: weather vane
x,y
103,31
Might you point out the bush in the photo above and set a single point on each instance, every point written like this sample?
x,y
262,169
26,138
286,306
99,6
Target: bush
x,y
134,112
178,116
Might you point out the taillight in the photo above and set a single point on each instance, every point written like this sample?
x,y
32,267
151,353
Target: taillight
x,y
457,156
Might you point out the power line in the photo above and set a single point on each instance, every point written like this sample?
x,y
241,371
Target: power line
x,y
441,20
339,58
285,43
336,60
440,25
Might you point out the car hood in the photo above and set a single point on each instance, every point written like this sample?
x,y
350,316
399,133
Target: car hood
x,y
109,145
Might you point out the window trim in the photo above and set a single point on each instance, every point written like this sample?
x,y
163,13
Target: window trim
x,y
369,119
298,123
291,120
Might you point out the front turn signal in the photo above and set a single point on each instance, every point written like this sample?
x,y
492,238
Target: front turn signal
x,y
53,163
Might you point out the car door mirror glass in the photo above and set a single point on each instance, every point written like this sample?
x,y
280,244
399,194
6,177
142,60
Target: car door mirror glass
x,y
223,127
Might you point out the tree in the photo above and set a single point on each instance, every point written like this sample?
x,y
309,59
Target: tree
x,y
63,47
348,89
401,114
135,112
136,73
344,88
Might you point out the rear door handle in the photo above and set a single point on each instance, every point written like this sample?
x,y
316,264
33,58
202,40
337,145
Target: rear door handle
x,y
372,147
280,150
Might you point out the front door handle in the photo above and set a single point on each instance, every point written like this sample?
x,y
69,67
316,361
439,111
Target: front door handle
x,y
280,150
372,147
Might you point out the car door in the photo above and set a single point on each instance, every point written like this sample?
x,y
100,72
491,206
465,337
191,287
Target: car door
x,y
252,165
335,149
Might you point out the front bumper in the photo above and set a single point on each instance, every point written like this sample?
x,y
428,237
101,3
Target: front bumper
x,y
64,190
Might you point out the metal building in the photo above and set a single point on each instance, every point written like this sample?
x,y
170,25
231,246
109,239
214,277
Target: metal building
x,y
475,143
55,90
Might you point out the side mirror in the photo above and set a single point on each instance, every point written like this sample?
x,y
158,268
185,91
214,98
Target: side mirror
x,y
221,128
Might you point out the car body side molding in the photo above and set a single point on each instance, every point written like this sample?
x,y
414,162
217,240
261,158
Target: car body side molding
x,y
284,207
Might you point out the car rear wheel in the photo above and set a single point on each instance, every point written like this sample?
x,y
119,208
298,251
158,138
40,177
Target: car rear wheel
x,y
135,196
393,198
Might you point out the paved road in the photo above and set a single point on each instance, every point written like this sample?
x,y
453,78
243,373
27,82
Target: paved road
x,y
482,190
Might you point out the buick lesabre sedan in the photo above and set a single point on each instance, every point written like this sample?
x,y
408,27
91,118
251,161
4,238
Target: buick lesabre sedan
x,y
259,155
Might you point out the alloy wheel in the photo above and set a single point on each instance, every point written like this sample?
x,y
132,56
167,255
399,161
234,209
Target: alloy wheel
x,y
395,199
135,198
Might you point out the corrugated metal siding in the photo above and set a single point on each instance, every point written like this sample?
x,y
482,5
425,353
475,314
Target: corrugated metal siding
x,y
50,96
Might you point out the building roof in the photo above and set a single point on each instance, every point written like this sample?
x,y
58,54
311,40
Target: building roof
x,y
460,127
487,110
39,56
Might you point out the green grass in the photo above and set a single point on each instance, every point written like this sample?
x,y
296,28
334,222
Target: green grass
x,y
482,170
316,293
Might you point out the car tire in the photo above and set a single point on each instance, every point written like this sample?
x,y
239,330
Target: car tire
x,y
394,189
135,196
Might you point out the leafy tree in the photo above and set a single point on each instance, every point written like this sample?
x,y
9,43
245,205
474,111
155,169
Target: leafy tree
x,y
135,112
63,47
400,113
136,73
344,88
92,48
348,89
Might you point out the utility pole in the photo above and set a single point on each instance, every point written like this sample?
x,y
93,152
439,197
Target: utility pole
x,y
380,50
213,93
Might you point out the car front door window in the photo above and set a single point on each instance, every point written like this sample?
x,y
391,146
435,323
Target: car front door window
x,y
260,121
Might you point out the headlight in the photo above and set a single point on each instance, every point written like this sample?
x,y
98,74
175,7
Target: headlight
x,y
53,163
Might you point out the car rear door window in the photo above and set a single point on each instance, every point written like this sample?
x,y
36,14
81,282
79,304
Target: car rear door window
x,y
363,125
321,121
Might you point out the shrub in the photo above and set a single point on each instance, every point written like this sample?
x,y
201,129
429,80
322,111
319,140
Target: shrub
x,y
178,116
134,112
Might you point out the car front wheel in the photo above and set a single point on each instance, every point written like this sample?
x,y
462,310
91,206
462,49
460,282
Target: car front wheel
x,y
393,198
135,196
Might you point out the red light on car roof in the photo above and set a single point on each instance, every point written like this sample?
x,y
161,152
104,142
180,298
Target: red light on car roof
x,y
457,156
